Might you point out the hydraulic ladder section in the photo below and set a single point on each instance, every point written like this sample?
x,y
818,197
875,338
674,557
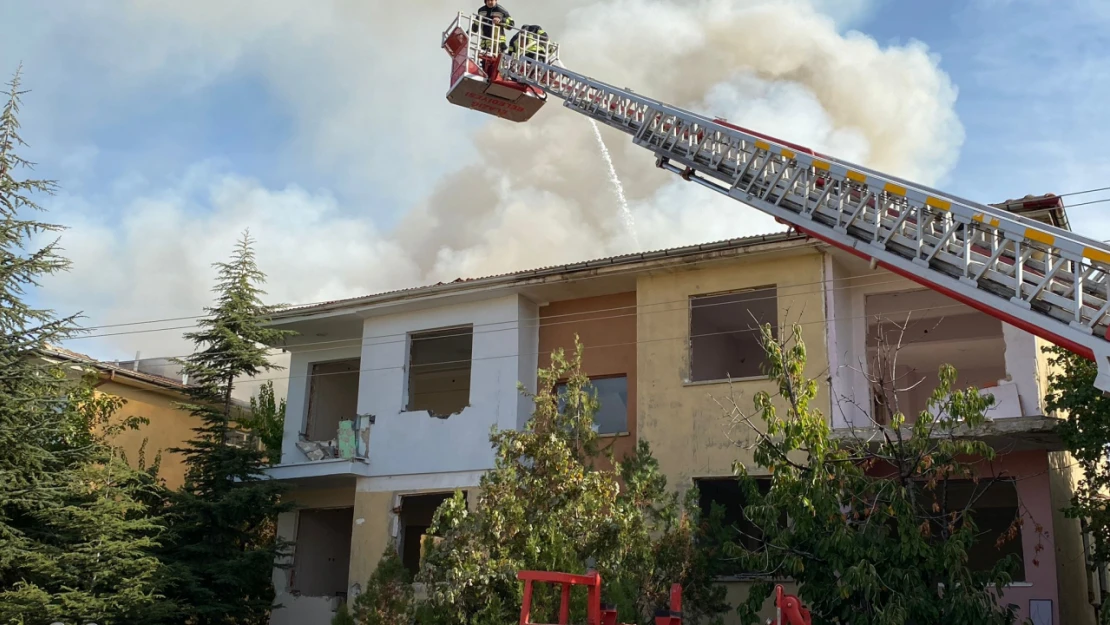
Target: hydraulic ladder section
x,y
1045,280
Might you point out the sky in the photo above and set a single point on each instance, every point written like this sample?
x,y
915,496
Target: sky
x,y
323,128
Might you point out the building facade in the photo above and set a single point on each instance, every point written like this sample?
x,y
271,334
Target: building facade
x,y
392,396
149,395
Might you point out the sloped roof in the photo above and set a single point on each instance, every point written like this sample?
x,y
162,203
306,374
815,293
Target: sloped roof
x,y
150,378
550,270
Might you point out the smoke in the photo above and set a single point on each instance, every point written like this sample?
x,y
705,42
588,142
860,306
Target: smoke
x,y
365,88
538,192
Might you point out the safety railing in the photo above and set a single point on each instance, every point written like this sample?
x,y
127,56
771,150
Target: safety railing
x,y
1051,282
485,39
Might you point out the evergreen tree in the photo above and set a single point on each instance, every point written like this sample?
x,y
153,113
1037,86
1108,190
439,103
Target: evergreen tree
x,y
74,535
223,539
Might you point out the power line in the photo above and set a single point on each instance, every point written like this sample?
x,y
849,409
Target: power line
x,y
585,347
542,322
309,304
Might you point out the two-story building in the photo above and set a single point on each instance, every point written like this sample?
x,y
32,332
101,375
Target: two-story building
x,y
392,396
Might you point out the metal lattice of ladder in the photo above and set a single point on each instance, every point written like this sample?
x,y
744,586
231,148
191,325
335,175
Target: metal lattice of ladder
x,y
1045,280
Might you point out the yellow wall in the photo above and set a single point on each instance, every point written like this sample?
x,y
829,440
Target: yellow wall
x,y
1071,567
169,427
687,430
370,538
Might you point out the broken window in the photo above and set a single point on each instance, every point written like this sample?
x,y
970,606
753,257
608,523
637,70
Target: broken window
x,y
612,395
322,554
415,519
332,397
725,336
439,370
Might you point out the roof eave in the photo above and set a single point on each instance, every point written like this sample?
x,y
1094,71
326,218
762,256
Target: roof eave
x,y
613,265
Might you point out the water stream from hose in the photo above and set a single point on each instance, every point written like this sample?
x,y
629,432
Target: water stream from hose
x,y
629,222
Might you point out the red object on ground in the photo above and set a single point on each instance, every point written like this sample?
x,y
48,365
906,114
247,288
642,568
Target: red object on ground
x,y
790,608
595,613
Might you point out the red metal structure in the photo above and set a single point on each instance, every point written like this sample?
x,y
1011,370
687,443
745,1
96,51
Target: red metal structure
x,y
596,613
788,608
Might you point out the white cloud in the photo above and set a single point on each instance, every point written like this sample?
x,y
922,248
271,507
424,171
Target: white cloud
x,y
368,89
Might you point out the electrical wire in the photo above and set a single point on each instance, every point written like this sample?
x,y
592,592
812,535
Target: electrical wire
x,y
584,347
544,321
310,304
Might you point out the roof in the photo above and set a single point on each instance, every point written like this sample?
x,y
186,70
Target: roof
x,y
140,376
623,260
1047,208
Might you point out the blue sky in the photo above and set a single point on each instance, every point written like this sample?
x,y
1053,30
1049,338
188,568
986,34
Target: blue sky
x,y
323,127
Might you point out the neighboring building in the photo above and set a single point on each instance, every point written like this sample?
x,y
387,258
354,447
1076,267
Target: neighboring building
x,y
146,395
391,396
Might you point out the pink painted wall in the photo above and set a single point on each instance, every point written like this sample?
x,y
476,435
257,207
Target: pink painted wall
x,y
1030,469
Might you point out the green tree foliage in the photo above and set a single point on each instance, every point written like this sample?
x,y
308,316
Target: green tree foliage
x,y
267,421
546,506
388,596
223,542
1086,434
74,533
872,533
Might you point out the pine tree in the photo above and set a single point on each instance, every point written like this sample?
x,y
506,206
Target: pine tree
x,y
224,542
74,534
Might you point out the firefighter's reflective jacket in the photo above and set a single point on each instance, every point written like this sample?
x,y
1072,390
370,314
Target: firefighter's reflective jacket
x,y
532,40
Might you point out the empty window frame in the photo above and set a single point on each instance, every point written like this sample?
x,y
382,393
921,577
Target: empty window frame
x,y
322,555
332,397
439,370
612,396
726,493
994,508
725,336
415,518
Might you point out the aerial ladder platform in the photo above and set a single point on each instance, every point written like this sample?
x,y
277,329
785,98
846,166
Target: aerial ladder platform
x,y
1046,280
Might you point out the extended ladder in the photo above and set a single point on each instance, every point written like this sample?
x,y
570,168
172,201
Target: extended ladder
x,y
1045,280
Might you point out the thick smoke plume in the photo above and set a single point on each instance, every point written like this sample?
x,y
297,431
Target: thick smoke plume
x,y
539,194
469,195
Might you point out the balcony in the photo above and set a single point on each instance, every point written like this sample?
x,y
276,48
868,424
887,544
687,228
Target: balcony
x,y
333,441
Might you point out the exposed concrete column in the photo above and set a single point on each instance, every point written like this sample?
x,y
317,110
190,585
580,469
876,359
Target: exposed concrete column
x,y
1021,367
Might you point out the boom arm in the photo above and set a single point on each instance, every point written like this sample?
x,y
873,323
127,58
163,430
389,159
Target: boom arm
x,y
1045,280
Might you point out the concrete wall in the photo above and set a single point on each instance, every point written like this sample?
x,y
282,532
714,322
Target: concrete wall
x,y
169,427
682,421
606,327
404,442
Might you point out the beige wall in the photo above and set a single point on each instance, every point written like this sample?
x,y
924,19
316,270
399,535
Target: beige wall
x,y
1071,568
683,423
169,427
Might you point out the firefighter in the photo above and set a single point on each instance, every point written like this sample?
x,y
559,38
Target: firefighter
x,y
532,40
501,19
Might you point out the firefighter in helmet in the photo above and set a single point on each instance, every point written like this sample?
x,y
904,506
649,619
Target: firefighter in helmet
x,y
531,40
499,16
